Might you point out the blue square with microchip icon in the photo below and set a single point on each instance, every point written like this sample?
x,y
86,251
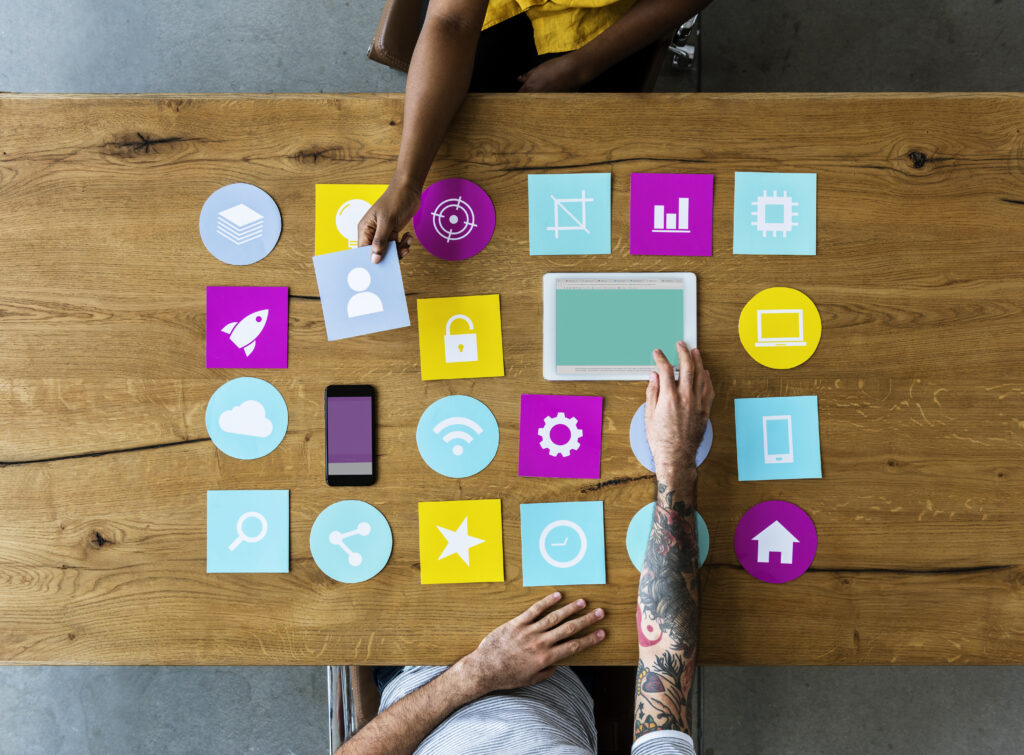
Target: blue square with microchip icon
x,y
775,213
570,213
563,543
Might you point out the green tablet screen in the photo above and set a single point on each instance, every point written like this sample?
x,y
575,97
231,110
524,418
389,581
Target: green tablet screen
x,y
611,325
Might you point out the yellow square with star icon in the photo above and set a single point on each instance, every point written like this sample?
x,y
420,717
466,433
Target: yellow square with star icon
x,y
460,337
460,541
339,208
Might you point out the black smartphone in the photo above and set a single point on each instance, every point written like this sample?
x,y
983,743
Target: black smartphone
x,y
351,429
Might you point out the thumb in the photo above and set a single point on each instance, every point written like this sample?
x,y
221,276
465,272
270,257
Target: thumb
x,y
652,397
380,240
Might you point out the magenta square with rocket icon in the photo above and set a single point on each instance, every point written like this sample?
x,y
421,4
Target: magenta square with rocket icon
x,y
247,326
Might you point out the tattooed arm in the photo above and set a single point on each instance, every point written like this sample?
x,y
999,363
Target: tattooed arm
x,y
666,608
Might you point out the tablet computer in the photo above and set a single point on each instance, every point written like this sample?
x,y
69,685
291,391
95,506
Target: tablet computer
x,y
604,326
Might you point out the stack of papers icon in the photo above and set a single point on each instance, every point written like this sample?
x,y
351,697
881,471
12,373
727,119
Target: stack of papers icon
x,y
240,224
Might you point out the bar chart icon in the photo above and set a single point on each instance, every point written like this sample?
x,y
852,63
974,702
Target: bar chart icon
x,y
672,222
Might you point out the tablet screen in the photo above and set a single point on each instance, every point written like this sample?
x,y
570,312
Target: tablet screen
x,y
611,325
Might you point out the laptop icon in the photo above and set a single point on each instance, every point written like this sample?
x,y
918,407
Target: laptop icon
x,y
780,327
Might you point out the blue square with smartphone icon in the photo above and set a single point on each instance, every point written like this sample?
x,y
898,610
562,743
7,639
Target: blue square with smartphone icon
x,y
777,438
563,543
246,531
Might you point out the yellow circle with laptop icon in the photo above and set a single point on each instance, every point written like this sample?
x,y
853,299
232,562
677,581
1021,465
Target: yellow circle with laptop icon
x,y
780,328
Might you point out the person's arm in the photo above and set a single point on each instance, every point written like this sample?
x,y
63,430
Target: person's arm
x,y
666,608
519,653
643,23
439,75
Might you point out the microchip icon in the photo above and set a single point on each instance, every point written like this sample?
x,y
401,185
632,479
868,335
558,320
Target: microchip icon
x,y
774,214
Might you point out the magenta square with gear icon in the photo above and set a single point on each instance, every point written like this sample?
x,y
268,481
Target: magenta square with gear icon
x,y
560,436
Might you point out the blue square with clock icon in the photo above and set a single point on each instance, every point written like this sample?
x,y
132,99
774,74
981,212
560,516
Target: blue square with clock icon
x,y
563,543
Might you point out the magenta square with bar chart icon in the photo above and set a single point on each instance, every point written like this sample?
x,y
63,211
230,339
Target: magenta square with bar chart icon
x,y
670,213
247,326
560,436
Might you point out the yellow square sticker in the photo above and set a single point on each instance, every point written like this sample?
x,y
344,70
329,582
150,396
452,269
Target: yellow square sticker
x,y
460,541
460,337
339,208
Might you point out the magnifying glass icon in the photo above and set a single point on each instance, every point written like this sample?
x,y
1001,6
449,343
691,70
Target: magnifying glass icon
x,y
242,537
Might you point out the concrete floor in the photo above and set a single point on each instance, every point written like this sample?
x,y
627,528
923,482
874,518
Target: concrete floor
x,y
319,45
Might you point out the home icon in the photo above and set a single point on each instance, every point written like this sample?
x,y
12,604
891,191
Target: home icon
x,y
775,539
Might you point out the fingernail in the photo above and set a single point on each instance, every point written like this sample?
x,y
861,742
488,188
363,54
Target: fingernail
x,y
600,634
375,257
581,603
652,376
557,595
599,613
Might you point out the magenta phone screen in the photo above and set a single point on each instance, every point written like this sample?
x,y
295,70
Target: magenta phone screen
x,y
349,435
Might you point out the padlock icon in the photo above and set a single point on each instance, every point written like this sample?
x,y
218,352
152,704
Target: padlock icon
x,y
459,347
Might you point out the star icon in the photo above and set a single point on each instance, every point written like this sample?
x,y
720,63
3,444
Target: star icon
x,y
459,541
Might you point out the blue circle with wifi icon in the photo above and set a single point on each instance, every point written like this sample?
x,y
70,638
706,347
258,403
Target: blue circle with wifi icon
x,y
457,436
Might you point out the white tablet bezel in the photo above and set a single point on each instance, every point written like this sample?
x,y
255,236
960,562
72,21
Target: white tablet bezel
x,y
550,317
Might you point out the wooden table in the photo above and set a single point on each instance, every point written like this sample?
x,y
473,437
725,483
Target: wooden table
x,y
105,459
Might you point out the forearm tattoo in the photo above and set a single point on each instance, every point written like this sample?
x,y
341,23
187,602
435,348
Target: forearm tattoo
x,y
666,616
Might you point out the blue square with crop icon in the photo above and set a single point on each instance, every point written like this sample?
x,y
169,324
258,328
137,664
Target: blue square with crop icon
x,y
246,531
563,543
775,213
777,438
570,213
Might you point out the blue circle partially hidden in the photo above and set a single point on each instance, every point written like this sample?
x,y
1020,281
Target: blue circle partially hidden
x,y
366,554
240,224
457,436
246,418
641,449
640,530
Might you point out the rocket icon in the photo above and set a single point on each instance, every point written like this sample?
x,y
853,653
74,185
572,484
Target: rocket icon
x,y
245,332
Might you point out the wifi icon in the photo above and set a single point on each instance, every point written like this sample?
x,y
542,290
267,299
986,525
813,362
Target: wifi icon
x,y
457,436
460,435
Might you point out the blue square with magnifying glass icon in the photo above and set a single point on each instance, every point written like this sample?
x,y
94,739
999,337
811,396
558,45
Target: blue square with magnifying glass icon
x,y
563,543
246,531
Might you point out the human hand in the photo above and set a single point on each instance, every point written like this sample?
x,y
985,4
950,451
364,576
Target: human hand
x,y
524,651
677,412
386,217
561,74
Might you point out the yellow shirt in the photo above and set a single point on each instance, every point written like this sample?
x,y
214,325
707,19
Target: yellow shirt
x,y
560,25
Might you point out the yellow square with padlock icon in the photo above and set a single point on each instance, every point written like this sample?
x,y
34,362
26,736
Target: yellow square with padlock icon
x,y
460,337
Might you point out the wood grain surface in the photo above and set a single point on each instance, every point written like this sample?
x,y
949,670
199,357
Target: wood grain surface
x,y
105,460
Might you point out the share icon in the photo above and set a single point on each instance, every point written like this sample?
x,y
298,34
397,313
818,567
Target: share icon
x,y
338,538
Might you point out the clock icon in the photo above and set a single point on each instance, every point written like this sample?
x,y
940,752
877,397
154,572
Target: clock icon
x,y
562,540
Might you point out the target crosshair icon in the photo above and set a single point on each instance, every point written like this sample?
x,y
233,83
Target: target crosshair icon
x,y
453,219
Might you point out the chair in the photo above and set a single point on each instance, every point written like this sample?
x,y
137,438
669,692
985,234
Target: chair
x,y
399,28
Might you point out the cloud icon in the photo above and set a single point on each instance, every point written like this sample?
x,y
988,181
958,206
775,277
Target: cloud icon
x,y
249,418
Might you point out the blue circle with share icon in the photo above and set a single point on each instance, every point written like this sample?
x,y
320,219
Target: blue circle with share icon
x,y
350,541
240,224
642,450
246,418
639,532
457,436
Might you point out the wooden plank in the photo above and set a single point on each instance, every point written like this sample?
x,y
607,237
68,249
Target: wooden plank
x,y
104,456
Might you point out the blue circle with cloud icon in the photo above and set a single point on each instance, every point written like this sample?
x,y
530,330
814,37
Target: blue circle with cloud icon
x,y
240,224
350,541
642,450
246,418
457,436
640,530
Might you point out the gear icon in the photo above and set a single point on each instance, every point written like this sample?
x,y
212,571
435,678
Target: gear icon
x,y
560,449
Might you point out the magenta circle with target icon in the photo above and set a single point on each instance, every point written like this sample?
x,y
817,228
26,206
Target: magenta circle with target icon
x,y
455,220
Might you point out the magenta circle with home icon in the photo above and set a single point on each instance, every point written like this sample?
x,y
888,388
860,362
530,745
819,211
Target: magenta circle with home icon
x,y
455,220
775,541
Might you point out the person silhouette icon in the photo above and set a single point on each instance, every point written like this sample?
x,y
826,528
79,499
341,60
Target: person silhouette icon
x,y
364,302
